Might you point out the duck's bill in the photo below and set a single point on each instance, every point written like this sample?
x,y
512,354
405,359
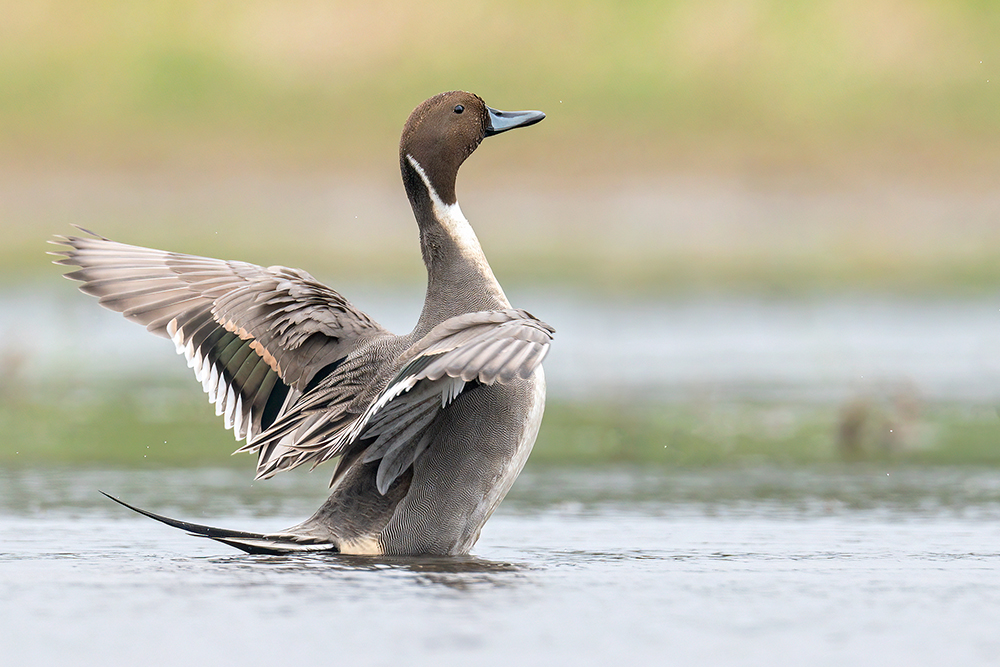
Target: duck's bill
x,y
501,121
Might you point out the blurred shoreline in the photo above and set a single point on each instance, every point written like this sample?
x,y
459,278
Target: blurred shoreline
x,y
651,233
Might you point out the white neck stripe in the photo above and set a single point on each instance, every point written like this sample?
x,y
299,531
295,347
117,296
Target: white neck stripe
x,y
451,218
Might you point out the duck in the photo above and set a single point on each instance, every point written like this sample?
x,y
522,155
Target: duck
x,y
426,431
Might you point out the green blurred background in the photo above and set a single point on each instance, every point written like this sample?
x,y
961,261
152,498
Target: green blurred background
x,y
863,102
743,146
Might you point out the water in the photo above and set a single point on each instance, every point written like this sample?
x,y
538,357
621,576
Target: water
x,y
755,567
852,566
823,349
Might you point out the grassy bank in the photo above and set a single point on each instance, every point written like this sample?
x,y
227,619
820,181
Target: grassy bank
x,y
175,426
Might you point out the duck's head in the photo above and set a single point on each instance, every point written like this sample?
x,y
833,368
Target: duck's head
x,y
442,132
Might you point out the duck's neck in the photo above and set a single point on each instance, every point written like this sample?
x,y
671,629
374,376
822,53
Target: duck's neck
x,y
459,279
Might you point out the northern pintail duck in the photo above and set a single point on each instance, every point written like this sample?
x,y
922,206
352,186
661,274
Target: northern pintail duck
x,y
430,429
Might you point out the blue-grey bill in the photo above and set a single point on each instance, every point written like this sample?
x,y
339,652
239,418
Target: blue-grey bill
x,y
501,121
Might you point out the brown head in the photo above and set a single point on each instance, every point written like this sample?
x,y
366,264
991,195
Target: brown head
x,y
442,132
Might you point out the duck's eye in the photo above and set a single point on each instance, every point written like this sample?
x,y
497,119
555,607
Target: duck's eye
x,y
459,108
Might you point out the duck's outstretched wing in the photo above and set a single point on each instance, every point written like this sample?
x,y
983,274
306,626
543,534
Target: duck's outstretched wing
x,y
465,351
252,543
257,338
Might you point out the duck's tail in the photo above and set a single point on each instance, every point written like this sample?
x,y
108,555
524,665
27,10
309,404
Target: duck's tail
x,y
252,543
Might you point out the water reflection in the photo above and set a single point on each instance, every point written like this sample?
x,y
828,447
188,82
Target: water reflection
x,y
460,573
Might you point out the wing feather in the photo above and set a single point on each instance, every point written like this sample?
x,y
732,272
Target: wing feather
x,y
254,336
294,368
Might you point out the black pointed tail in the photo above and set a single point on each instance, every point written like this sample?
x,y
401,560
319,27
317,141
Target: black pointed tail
x,y
252,543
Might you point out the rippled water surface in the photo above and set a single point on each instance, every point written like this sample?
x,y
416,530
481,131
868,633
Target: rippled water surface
x,y
757,567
